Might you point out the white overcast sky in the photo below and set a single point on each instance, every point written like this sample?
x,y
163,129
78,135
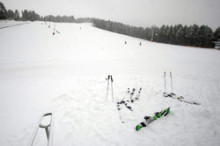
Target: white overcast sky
x,y
133,12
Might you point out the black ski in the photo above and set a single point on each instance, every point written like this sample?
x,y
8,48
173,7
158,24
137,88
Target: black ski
x,y
173,95
123,102
138,94
181,98
126,102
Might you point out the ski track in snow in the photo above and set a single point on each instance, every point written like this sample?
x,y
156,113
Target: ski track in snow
x,y
65,74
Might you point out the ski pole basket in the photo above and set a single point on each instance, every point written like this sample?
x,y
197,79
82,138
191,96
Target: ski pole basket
x,y
48,128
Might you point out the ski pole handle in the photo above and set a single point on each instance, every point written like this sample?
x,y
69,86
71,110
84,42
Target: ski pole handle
x,y
111,78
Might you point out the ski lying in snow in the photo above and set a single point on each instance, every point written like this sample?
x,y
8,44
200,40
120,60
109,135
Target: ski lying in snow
x,y
130,94
120,103
138,94
173,95
126,102
181,98
149,119
126,105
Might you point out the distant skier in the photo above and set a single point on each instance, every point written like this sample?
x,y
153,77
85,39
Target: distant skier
x,y
125,42
140,44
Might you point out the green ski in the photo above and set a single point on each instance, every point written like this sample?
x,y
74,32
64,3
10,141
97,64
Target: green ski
x,y
149,119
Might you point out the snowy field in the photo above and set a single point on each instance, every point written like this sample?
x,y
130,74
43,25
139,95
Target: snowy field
x,y
10,23
65,73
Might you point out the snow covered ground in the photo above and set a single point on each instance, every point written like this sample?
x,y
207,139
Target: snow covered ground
x,y
10,23
65,73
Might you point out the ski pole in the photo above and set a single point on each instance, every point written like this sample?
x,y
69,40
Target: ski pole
x,y
107,86
164,83
171,82
48,128
112,89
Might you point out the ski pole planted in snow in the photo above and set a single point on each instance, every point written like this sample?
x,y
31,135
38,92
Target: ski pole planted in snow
x,y
48,128
110,81
171,82
165,90
112,89
107,86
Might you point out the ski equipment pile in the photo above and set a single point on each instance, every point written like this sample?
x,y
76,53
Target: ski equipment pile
x,y
181,98
125,102
173,95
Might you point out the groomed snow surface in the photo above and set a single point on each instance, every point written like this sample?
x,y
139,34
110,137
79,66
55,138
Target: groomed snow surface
x,y
65,74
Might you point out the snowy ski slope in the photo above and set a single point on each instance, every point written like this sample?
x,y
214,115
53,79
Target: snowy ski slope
x,y
65,73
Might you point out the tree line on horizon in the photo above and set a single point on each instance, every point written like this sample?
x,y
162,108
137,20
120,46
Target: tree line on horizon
x,y
193,35
29,15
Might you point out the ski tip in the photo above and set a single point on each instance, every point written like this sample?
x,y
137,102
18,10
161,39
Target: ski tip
x,y
138,127
165,94
167,111
196,103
